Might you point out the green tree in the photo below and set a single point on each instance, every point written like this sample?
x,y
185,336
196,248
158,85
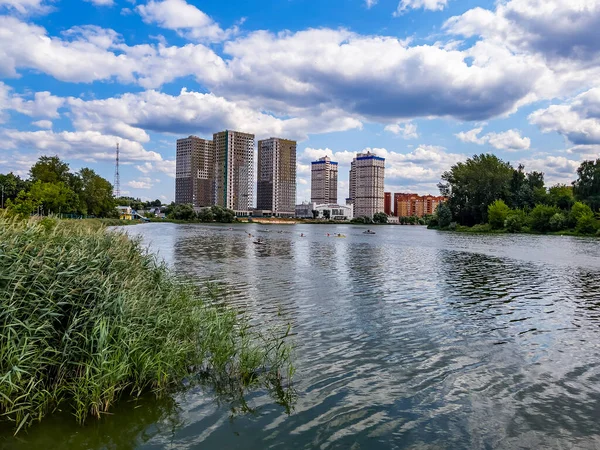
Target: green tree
x,y
539,217
471,186
515,220
558,222
206,215
577,210
54,198
443,215
24,204
561,195
380,218
49,169
587,186
497,214
182,212
587,224
11,185
96,193
223,215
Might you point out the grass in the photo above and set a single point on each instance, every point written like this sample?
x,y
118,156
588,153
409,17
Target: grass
x,y
87,317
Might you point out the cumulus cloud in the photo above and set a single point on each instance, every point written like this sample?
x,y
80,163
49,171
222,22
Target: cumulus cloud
x,y
43,104
578,120
556,169
132,115
506,140
370,3
432,5
26,6
85,145
101,2
406,131
557,29
182,17
141,183
47,124
167,167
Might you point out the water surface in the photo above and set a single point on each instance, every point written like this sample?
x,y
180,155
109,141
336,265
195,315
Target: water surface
x,y
406,339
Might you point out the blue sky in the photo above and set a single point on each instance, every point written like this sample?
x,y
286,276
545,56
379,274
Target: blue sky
x,y
423,83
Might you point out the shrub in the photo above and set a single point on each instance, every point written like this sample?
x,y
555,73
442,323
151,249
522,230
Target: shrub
x,y
481,228
558,222
587,224
497,213
86,317
515,220
539,217
452,226
579,209
444,215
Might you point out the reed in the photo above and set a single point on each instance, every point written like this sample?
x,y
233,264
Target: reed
x,y
87,316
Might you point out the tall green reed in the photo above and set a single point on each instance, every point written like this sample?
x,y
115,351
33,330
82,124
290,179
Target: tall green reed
x,y
87,316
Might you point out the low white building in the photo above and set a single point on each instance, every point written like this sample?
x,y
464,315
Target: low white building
x,y
304,210
336,212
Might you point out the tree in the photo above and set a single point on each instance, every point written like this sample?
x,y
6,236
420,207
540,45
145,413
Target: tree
x,y
96,193
206,215
223,215
561,195
182,212
54,198
577,210
444,215
23,205
558,222
497,214
326,214
473,185
12,184
515,220
587,186
49,169
539,217
587,224
380,218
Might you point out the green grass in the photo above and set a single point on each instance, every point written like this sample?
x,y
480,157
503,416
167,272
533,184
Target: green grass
x,y
87,317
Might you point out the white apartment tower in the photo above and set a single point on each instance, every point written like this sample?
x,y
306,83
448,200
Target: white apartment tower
x,y
366,184
234,169
194,171
324,178
276,183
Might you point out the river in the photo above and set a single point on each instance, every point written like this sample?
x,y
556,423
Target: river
x,y
408,338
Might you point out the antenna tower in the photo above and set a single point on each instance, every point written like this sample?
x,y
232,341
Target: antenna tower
x,y
117,184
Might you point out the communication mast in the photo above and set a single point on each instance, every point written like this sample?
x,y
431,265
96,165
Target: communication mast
x,y
117,183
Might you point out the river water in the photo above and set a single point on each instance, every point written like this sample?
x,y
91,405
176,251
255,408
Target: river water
x,y
409,338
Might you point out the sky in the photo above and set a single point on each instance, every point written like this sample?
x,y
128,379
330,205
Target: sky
x,y
423,83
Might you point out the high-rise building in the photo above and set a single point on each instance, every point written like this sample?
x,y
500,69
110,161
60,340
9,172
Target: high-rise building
x,y
324,178
234,169
387,203
194,171
276,183
406,205
366,184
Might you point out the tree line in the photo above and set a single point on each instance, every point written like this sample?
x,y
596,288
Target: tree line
x,y
487,193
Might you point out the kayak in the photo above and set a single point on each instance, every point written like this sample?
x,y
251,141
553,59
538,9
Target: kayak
x,y
369,232
259,243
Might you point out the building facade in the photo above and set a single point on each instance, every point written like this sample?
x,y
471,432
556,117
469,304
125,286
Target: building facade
x,y
194,171
234,169
276,182
406,205
304,210
324,180
387,203
335,211
367,174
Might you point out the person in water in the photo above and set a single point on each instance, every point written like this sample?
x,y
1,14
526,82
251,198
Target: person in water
x,y
301,234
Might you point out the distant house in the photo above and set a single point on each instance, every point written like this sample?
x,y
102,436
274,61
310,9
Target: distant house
x,y
125,212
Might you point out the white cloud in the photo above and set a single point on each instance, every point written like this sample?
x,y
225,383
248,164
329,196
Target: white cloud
x,y
47,124
556,169
167,167
506,140
407,130
141,183
26,6
85,145
432,5
43,104
578,120
370,3
101,2
183,17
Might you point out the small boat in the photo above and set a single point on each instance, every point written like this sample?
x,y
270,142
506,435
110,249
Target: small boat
x,y
340,236
369,232
259,242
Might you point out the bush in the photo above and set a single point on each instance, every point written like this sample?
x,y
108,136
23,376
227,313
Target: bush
x,y
558,222
452,226
539,217
579,209
481,228
86,317
587,224
380,218
515,220
497,214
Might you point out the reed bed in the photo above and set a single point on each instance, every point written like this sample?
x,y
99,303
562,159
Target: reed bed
x,y
87,317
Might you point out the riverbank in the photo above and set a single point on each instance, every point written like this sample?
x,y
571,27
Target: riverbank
x,y
87,317
487,229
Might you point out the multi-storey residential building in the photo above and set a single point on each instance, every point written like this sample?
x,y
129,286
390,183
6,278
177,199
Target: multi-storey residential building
x,y
324,178
276,184
387,203
234,169
367,173
406,205
194,171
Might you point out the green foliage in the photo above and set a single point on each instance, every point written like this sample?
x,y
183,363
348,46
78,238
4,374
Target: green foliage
x,y
182,212
481,228
539,217
367,220
515,220
578,210
587,186
87,317
49,169
12,184
206,215
223,215
96,193
587,224
380,218
358,220
558,222
561,195
443,215
497,214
